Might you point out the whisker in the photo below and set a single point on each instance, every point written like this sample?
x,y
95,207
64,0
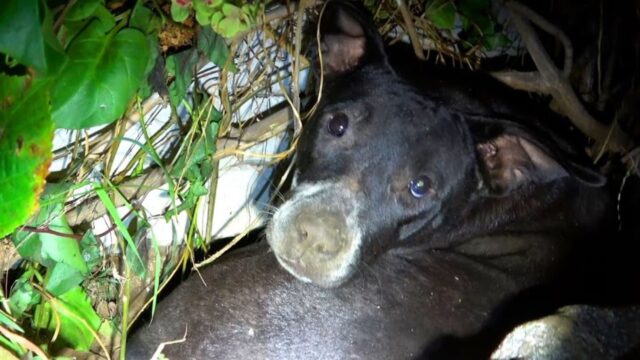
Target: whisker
x,y
373,271
270,209
279,195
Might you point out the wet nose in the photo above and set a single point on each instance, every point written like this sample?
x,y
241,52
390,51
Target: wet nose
x,y
322,234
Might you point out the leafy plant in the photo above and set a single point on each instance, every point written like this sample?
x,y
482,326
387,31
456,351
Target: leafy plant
x,y
77,65
473,17
26,132
99,78
79,83
73,65
196,166
59,254
227,18
442,14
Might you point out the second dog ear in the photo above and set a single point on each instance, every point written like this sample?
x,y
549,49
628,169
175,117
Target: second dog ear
x,y
511,159
348,39
508,161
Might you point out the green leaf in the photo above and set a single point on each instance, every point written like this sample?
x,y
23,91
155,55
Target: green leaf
x,y
190,197
48,250
230,27
203,11
213,46
8,322
90,250
23,296
134,261
62,278
82,10
26,133
60,249
53,50
195,164
21,32
26,35
234,21
251,11
182,67
151,28
99,15
11,89
100,78
216,18
143,19
7,345
55,194
146,88
106,18
115,217
442,14
76,316
232,11
51,250
179,13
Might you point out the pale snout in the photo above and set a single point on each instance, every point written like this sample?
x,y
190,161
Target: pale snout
x,y
315,234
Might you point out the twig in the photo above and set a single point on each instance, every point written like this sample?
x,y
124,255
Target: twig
x,y
158,352
278,13
51,232
549,80
251,226
411,30
228,246
551,29
527,81
631,154
295,76
114,226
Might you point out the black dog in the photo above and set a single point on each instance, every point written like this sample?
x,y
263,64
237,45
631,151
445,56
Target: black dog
x,y
416,215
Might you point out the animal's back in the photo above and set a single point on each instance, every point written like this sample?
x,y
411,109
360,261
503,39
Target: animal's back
x,y
251,308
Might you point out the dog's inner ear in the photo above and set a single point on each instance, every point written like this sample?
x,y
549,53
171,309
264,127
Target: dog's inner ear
x,y
344,44
507,162
348,39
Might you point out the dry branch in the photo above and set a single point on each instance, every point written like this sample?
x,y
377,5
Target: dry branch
x,y
411,30
551,81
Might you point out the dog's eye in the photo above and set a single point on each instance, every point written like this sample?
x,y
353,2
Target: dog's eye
x,y
338,124
420,186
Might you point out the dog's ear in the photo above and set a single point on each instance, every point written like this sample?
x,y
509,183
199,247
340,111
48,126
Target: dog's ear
x,y
511,156
348,39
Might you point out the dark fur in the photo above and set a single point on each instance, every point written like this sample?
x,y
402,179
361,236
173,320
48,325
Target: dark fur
x,y
470,256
